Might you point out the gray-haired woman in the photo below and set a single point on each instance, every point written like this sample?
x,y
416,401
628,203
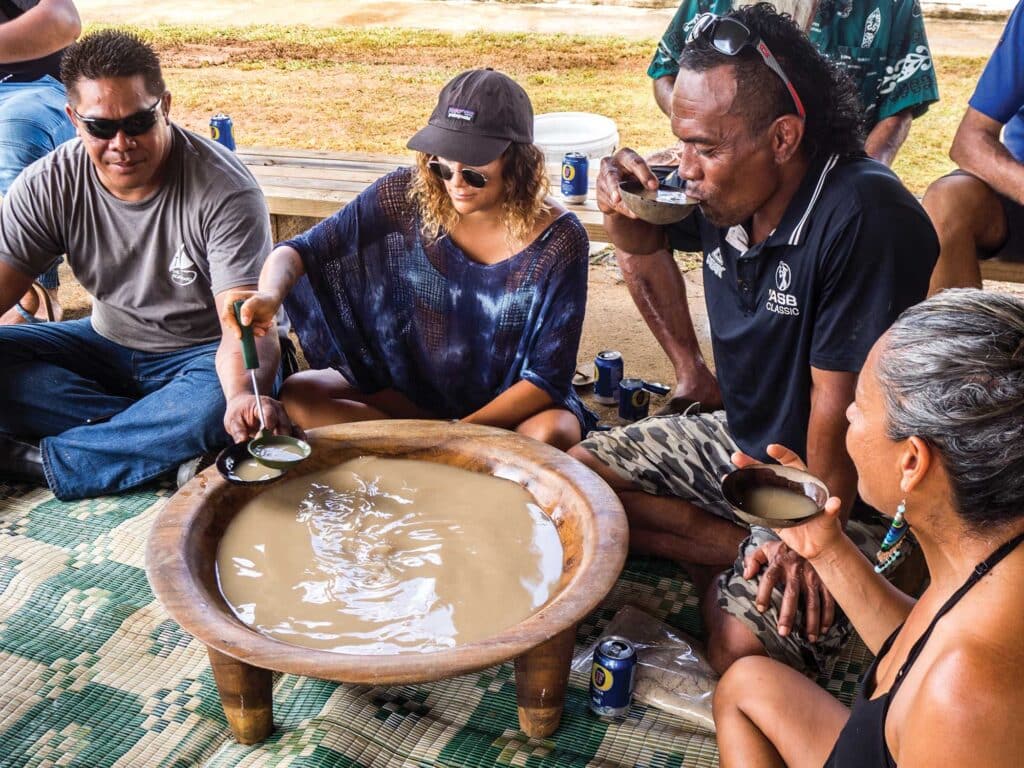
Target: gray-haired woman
x,y
937,434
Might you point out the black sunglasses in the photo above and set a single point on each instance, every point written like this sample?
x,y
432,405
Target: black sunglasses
x,y
730,36
471,176
133,125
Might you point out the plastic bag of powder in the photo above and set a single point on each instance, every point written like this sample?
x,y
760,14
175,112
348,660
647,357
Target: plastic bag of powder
x,y
671,674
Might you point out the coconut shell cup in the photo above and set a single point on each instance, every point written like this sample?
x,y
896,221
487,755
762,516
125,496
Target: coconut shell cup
x,y
740,488
666,205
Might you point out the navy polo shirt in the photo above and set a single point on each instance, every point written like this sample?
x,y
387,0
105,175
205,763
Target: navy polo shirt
x,y
852,251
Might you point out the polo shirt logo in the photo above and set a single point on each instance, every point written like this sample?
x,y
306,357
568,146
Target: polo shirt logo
x,y
783,276
780,302
714,262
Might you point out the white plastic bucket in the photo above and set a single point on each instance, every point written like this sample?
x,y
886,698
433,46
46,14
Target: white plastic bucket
x,y
559,132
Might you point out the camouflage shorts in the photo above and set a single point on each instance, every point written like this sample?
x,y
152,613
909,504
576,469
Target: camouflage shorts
x,y
686,457
681,456
737,596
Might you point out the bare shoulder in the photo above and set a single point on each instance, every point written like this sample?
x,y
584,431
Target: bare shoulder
x,y
966,708
555,208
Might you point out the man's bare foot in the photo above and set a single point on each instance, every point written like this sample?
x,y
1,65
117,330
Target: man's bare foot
x,y
700,387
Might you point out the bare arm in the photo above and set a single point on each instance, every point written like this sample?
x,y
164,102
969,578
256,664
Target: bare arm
x,y
40,31
512,407
659,292
241,419
653,278
663,93
874,606
13,285
831,394
978,150
888,136
280,273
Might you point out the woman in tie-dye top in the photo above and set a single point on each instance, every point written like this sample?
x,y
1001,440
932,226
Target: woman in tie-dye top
x,y
454,289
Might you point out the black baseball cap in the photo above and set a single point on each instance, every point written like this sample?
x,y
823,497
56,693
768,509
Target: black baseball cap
x,y
478,115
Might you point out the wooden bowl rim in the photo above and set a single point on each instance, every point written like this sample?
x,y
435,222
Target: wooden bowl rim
x,y
185,598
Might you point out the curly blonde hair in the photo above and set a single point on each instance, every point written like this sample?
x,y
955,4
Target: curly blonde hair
x,y
526,186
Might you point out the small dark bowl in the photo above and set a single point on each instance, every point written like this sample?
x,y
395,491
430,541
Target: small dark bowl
x,y
234,455
740,485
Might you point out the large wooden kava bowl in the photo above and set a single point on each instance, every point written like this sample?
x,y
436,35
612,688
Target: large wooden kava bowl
x,y
182,553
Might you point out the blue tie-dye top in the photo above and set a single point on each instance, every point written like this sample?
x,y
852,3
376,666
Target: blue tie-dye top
x,y
389,309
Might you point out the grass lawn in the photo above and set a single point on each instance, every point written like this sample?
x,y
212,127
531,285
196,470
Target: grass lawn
x,y
369,90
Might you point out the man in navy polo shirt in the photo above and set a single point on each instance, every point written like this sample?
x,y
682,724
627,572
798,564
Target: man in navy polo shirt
x,y
810,250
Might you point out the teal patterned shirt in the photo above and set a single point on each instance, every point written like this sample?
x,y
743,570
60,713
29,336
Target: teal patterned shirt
x,y
881,43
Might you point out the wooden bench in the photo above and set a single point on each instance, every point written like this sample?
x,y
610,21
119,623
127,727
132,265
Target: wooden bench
x,y
304,186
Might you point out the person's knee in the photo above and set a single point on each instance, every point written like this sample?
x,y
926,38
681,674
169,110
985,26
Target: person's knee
x,y
297,392
617,482
940,203
582,455
734,686
556,427
729,640
960,207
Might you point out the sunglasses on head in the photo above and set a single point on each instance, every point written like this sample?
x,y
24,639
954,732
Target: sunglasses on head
x,y
133,125
444,172
729,36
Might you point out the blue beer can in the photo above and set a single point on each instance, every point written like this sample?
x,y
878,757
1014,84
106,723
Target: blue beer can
x,y
634,400
612,676
608,365
574,177
221,130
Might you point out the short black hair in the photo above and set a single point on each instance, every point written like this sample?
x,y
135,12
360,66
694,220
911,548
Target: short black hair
x,y
835,117
111,53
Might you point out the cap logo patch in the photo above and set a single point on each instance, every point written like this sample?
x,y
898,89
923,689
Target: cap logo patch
x,y
459,113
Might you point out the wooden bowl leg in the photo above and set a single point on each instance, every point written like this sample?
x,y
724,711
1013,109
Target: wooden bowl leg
x,y
246,693
542,675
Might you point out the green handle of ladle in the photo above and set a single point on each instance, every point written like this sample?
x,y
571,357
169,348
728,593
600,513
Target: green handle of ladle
x,y
249,355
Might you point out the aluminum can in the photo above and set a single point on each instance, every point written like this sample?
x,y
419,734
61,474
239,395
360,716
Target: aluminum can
x,y
634,400
574,177
611,677
608,365
221,130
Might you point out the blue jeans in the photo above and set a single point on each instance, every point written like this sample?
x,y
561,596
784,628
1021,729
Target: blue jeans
x,y
32,124
111,418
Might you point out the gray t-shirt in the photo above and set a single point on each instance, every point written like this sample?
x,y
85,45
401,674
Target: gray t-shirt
x,y
152,267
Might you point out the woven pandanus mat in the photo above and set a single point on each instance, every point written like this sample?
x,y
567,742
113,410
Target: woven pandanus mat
x,y
93,673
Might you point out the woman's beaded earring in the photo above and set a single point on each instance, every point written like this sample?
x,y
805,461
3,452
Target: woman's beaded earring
x,y
895,545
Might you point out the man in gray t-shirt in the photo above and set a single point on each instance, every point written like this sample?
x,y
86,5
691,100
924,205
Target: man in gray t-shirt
x,y
163,228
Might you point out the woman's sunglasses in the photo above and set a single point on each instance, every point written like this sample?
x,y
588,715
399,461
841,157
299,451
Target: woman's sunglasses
x,y
730,36
469,175
133,125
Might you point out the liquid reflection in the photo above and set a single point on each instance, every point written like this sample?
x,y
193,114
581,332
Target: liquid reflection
x,y
387,556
